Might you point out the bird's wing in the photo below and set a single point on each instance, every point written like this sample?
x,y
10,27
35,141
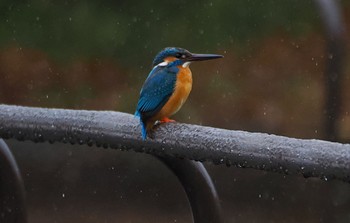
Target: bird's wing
x,y
156,91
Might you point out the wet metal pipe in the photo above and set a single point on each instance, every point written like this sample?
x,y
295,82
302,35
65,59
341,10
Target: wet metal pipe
x,y
310,158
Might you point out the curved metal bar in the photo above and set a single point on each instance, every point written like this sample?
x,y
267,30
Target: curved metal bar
x,y
199,188
12,201
334,28
311,158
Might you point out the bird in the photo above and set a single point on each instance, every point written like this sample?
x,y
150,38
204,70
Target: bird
x,y
167,87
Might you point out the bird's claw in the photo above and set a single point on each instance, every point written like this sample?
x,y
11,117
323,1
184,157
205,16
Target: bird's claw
x,y
166,120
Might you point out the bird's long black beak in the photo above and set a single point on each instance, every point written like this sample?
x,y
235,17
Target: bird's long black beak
x,y
200,57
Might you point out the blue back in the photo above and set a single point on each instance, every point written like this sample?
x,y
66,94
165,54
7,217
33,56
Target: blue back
x,y
156,91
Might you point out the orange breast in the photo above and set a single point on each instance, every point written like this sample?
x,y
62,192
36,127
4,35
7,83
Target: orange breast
x,y
183,88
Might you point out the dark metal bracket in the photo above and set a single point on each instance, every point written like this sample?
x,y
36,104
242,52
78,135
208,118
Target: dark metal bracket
x,y
200,190
334,28
12,196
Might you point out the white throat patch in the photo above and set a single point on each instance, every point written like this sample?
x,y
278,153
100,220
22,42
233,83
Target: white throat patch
x,y
186,64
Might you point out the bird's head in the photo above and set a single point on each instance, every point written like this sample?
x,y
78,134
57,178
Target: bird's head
x,y
170,54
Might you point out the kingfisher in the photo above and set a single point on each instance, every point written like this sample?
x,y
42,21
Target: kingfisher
x,y
167,86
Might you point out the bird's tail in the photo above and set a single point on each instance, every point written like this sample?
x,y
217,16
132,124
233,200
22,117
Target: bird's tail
x,y
143,130
143,125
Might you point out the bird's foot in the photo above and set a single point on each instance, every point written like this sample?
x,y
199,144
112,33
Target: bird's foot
x,y
166,120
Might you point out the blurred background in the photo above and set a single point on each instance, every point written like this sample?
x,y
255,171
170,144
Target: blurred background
x,y
96,55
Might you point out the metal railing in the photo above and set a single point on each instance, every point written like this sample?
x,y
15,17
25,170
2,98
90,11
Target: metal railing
x,y
107,129
310,158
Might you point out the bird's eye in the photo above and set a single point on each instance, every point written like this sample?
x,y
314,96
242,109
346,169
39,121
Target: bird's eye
x,y
179,55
